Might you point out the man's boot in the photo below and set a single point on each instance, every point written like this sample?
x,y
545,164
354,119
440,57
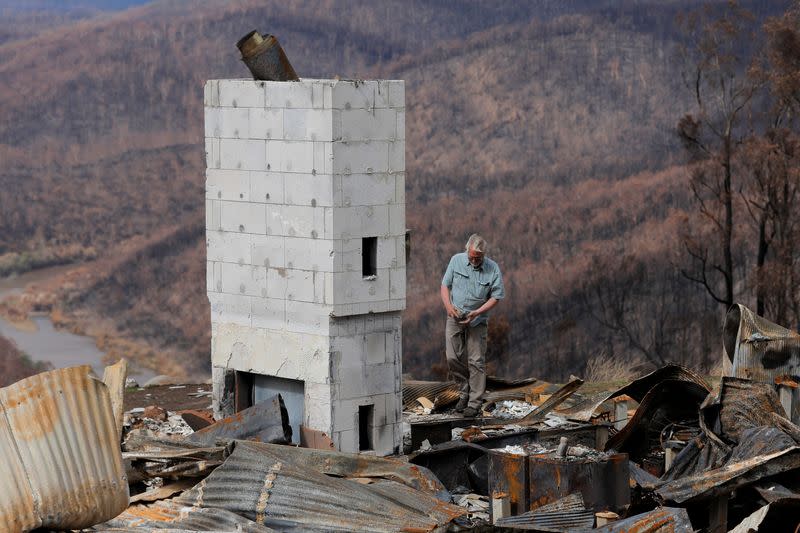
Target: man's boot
x,y
462,404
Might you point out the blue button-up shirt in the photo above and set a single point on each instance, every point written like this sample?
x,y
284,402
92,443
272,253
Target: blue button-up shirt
x,y
471,287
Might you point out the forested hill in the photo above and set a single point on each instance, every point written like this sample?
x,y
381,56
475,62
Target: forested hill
x,y
548,126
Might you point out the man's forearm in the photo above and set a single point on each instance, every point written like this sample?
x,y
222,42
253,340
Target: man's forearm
x,y
485,308
444,292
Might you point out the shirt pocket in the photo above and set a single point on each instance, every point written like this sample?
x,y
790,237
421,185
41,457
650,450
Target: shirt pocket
x,y
460,281
483,289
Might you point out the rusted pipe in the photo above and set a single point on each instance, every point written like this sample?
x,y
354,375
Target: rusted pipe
x,y
265,58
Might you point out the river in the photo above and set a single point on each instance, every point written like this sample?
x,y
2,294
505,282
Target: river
x,y
61,348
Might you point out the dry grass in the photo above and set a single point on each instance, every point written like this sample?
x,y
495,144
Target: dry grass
x,y
608,368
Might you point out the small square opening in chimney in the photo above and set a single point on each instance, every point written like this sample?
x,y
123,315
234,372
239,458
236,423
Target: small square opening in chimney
x,y
369,256
365,413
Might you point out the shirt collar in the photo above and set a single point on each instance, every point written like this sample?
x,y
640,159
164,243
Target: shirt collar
x,y
483,263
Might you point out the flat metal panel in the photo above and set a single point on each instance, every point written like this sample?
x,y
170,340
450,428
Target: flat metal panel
x,y
291,390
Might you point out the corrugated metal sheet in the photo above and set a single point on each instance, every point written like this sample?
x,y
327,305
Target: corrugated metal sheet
x,y
636,389
661,520
567,514
270,489
62,466
761,350
176,516
428,389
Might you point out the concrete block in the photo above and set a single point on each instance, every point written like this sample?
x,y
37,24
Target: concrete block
x,y
368,124
305,317
397,156
318,94
213,276
309,254
401,251
348,441
244,279
318,406
345,415
360,157
303,221
211,93
349,94
381,93
211,121
352,287
397,219
328,216
267,251
234,346
242,154
396,305
308,189
228,185
379,379
229,247
241,93
375,348
213,215
400,135
327,96
323,158
367,189
351,255
275,221
243,217
277,282
350,384
400,184
268,313
350,350
289,94
232,123
229,309
397,283
384,440
300,285
387,252
212,152
328,280
308,124
266,123
378,402
397,93
361,221
266,187
297,156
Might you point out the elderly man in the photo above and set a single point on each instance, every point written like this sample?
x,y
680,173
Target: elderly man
x,y
472,285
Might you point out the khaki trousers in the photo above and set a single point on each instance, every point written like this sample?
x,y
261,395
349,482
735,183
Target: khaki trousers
x,y
466,359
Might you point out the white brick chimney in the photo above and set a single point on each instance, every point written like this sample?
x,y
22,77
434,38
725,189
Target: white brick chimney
x,y
305,229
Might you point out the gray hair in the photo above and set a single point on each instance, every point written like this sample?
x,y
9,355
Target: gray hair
x,y
477,243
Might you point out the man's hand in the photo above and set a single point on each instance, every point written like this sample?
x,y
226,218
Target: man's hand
x,y
472,315
448,306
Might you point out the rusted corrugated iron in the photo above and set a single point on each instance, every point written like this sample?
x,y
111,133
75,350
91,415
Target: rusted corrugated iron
x,y
341,464
265,487
175,516
669,401
564,515
726,479
267,421
761,350
637,389
661,520
412,390
61,467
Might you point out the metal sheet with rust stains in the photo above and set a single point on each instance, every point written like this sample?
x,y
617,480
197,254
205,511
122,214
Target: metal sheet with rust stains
x,y
266,421
603,483
178,517
264,486
661,520
62,466
761,350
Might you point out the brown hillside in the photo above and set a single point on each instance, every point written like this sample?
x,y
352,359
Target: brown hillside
x,y
547,130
